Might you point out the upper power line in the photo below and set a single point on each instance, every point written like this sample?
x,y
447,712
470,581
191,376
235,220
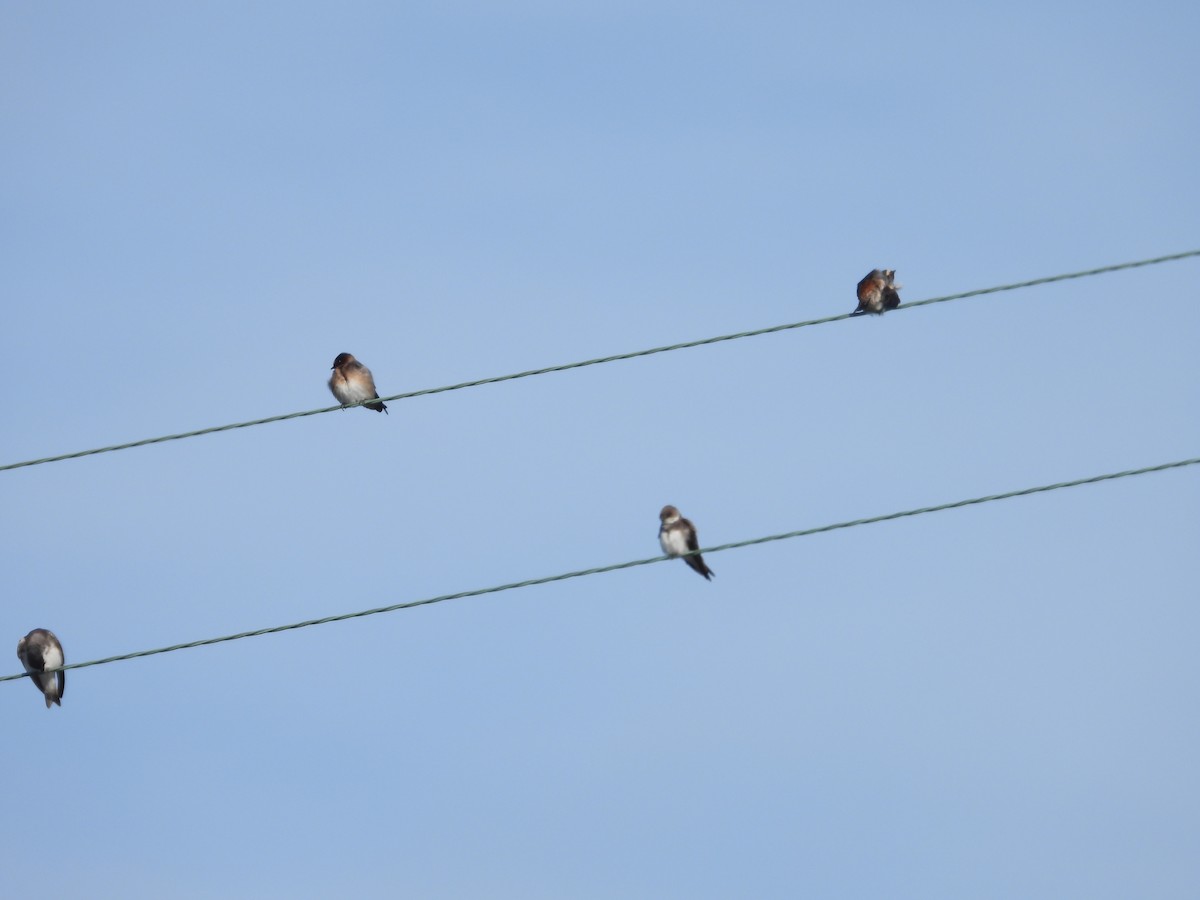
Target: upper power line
x,y
617,357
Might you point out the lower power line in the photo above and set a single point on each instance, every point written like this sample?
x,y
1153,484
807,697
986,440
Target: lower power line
x,y
787,535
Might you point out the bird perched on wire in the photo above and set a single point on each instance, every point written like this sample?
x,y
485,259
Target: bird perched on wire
x,y
38,651
677,536
877,292
352,383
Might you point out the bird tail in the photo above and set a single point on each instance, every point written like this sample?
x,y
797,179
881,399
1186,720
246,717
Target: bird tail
x,y
54,690
697,562
378,407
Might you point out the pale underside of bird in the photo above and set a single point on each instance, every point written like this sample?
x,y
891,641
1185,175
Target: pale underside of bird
x,y
351,382
38,651
877,292
677,537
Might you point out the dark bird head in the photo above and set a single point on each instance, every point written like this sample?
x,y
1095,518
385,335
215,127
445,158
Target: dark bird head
x,y
34,645
342,359
669,513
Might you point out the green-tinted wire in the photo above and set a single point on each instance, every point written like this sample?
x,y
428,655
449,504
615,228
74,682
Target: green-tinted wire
x,y
853,523
599,360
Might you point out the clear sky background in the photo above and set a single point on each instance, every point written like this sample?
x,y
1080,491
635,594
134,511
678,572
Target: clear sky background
x,y
204,204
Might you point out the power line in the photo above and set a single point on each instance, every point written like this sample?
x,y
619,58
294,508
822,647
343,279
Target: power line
x,y
685,345
787,535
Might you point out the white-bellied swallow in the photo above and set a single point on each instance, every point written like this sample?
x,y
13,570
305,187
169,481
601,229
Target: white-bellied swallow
x,y
678,536
877,292
38,651
352,383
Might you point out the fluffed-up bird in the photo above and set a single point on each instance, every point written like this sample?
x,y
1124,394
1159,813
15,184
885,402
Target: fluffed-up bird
x,y
677,536
877,292
352,383
38,651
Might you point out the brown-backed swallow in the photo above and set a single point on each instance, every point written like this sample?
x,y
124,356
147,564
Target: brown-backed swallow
x,y
877,292
352,382
678,536
38,651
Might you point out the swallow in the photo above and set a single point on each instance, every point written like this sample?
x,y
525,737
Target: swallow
x,y
877,292
352,382
678,536
38,651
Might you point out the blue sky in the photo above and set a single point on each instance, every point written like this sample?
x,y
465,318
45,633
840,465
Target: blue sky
x,y
203,206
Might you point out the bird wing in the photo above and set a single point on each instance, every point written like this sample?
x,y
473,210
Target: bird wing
x,y
33,657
